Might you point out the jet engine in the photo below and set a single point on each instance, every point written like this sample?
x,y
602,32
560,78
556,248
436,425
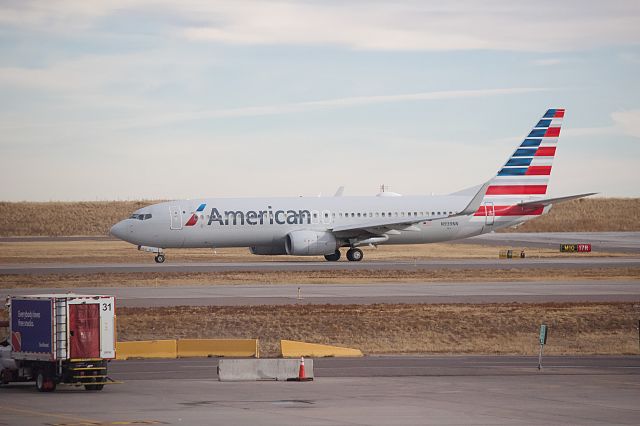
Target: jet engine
x,y
310,243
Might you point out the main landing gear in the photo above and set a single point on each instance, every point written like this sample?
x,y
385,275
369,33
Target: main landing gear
x,y
353,255
333,257
159,258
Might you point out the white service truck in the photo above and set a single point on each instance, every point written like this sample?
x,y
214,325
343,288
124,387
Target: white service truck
x,y
59,338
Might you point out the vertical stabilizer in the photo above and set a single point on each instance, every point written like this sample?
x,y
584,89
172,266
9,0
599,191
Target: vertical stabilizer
x,y
525,175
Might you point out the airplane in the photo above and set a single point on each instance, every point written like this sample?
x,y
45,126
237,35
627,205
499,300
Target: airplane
x,y
321,226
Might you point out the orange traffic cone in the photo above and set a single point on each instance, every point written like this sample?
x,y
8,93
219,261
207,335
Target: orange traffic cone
x,y
302,377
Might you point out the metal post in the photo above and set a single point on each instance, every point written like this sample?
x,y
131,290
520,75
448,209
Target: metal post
x,y
543,341
639,335
299,294
540,357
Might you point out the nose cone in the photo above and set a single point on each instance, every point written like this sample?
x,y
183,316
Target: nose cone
x,y
118,230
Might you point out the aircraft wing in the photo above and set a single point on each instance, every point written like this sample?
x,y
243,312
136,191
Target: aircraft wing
x,y
408,224
549,201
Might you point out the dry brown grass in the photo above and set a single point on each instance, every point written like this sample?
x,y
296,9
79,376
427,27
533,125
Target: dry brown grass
x,y
162,279
582,328
95,218
64,218
593,328
588,215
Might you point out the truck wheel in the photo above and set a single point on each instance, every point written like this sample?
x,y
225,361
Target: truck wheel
x,y
93,387
45,383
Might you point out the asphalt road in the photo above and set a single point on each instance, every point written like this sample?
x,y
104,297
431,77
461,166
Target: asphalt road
x,y
429,292
602,241
364,391
396,366
211,267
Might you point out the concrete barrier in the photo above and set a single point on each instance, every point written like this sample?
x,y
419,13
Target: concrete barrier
x,y
261,369
293,349
218,347
147,349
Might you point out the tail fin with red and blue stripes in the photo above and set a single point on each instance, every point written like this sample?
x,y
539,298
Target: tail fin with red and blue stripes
x,y
526,173
524,178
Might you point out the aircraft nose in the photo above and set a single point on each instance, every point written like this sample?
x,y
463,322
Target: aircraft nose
x,y
118,230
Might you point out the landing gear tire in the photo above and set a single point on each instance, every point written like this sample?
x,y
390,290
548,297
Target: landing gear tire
x,y
355,255
333,257
159,258
44,383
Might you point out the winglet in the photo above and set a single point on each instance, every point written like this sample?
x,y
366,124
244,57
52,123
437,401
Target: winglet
x,y
339,192
476,201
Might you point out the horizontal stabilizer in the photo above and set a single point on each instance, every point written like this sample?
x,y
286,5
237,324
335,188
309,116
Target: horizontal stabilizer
x,y
549,201
476,201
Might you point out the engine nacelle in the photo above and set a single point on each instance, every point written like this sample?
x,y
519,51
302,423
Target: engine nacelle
x,y
274,250
310,243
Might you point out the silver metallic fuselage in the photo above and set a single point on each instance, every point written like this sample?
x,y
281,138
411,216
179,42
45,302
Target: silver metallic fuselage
x,y
265,222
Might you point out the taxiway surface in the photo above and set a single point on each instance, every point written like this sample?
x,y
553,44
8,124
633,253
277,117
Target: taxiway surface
x,y
364,391
210,267
366,293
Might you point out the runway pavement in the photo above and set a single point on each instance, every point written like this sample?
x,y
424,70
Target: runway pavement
x,y
211,267
363,391
602,241
621,242
367,293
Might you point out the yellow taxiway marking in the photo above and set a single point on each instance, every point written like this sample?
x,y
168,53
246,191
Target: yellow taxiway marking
x,y
41,414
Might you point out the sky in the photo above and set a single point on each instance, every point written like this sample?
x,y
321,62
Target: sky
x,y
137,99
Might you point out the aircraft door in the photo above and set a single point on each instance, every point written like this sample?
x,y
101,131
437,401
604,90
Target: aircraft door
x,y
490,213
176,217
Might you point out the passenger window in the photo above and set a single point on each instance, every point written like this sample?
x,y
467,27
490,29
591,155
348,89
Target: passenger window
x,y
382,214
377,214
358,214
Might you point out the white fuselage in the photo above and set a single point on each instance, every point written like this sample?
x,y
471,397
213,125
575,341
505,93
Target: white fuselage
x,y
265,222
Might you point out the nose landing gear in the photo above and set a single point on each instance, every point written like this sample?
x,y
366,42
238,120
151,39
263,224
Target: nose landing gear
x,y
158,251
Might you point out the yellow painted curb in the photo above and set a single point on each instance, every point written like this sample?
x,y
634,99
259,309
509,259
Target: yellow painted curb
x,y
147,349
218,347
293,349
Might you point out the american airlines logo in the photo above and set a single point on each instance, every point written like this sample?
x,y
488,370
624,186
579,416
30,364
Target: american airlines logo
x,y
259,217
194,217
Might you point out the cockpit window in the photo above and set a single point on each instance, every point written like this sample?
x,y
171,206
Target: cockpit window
x,y
138,216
